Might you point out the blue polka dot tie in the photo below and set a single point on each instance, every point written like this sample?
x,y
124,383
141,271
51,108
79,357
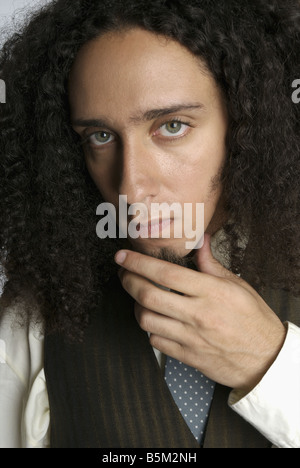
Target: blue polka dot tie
x,y
192,393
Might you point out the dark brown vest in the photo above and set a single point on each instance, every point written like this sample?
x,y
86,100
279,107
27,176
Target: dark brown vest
x,y
109,391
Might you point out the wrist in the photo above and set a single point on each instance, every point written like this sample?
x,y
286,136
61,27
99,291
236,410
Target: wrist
x,y
265,361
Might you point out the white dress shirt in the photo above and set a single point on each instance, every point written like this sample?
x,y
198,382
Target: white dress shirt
x,y
24,407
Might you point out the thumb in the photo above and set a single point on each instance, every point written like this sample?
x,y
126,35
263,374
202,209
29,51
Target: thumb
x,y
206,263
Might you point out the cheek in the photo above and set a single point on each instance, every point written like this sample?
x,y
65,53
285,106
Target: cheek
x,y
200,181
102,175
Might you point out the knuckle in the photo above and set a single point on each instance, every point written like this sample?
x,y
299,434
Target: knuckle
x,y
145,297
155,341
196,315
126,280
145,320
167,274
195,311
163,273
182,353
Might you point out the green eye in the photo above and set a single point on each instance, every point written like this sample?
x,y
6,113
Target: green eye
x,y
102,137
173,127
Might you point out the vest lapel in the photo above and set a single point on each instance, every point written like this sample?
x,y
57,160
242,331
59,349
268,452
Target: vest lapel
x,y
109,391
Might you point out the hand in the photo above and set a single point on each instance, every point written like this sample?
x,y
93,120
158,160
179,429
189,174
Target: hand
x,y
218,324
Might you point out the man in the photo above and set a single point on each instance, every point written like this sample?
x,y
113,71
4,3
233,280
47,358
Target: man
x,y
158,106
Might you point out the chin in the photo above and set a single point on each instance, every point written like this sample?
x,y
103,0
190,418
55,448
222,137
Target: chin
x,y
178,255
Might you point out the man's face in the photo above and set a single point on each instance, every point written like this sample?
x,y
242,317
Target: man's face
x,y
154,125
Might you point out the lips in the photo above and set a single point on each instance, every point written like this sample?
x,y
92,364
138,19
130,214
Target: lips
x,y
153,228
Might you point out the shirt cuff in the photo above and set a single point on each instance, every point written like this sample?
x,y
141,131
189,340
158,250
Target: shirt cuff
x,y
273,406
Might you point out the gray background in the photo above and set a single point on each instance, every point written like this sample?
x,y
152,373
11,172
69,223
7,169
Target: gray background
x,y
9,7
12,12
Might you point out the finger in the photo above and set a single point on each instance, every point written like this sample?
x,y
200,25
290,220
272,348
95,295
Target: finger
x,y
173,349
160,325
153,298
164,273
168,347
206,263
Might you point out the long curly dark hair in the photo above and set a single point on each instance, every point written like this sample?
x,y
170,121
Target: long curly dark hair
x,y
49,250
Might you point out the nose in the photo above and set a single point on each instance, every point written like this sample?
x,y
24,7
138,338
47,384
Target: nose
x,y
139,177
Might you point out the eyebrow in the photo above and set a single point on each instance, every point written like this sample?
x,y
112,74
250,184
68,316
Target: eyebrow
x,y
143,117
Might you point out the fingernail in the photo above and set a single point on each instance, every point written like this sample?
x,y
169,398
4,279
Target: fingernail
x,y
120,257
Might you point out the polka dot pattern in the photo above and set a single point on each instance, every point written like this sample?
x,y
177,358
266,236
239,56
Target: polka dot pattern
x,y
192,392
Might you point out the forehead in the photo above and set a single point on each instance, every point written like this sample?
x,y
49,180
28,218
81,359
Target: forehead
x,y
135,70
